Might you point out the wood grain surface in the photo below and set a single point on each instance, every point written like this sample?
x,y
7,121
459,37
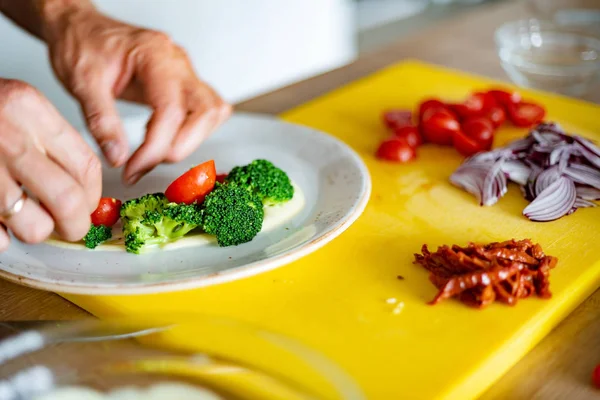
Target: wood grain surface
x,y
560,366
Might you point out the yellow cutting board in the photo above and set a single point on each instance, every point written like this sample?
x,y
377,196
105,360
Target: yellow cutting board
x,y
339,298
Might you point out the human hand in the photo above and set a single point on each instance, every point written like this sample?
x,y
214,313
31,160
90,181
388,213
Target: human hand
x,y
42,152
99,59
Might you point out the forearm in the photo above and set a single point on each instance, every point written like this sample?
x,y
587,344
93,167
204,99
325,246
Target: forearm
x,y
35,16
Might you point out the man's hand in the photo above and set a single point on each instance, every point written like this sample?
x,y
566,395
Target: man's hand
x,y
41,151
99,59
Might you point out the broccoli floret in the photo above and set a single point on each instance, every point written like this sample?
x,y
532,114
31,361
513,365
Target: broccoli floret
x,y
233,214
97,235
265,180
152,219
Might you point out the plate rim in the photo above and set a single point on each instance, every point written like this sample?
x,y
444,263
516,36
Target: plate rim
x,y
229,275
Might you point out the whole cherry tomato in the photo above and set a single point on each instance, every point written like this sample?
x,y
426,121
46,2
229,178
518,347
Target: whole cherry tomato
x,y
397,118
396,149
411,134
504,97
525,114
496,115
107,213
439,127
465,145
193,185
481,130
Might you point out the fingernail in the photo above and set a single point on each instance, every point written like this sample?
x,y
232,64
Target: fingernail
x,y
113,151
133,179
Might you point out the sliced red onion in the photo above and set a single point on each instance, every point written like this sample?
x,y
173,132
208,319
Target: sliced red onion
x,y
494,185
545,161
547,138
588,193
546,178
554,202
581,173
588,144
589,155
520,145
561,154
516,171
473,178
581,203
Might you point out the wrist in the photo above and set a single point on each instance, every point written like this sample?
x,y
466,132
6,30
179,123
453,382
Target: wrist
x,y
55,15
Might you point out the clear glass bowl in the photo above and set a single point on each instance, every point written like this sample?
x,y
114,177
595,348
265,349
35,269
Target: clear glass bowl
x,y
543,55
207,359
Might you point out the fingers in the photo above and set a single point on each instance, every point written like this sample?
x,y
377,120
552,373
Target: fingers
x,y
56,189
207,112
31,224
164,95
68,149
4,239
103,121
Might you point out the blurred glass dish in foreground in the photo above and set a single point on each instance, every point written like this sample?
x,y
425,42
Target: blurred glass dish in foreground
x,y
207,359
544,55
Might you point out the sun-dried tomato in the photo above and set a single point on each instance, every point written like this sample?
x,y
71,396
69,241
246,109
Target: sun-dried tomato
x,y
481,274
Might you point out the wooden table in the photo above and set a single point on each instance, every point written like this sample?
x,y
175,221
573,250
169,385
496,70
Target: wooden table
x,y
560,366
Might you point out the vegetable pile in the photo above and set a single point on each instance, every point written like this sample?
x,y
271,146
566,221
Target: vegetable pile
x,y
230,207
558,173
469,126
479,275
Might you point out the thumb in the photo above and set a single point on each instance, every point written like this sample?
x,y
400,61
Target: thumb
x,y
103,122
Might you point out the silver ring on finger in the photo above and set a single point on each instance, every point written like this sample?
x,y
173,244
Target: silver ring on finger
x,y
15,208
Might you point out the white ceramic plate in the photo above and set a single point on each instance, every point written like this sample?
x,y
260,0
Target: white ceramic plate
x,y
335,182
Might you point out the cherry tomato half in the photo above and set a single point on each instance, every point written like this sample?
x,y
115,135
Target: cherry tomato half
x,y
396,149
481,130
596,376
474,105
430,104
496,115
465,145
193,185
439,127
107,212
525,114
504,97
221,178
397,118
411,134
444,110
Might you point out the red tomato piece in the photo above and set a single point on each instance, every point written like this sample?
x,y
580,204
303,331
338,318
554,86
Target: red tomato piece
x,y
221,178
397,118
496,115
431,111
481,130
411,134
430,104
439,127
504,97
474,105
525,114
396,149
107,213
465,145
194,185
596,376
